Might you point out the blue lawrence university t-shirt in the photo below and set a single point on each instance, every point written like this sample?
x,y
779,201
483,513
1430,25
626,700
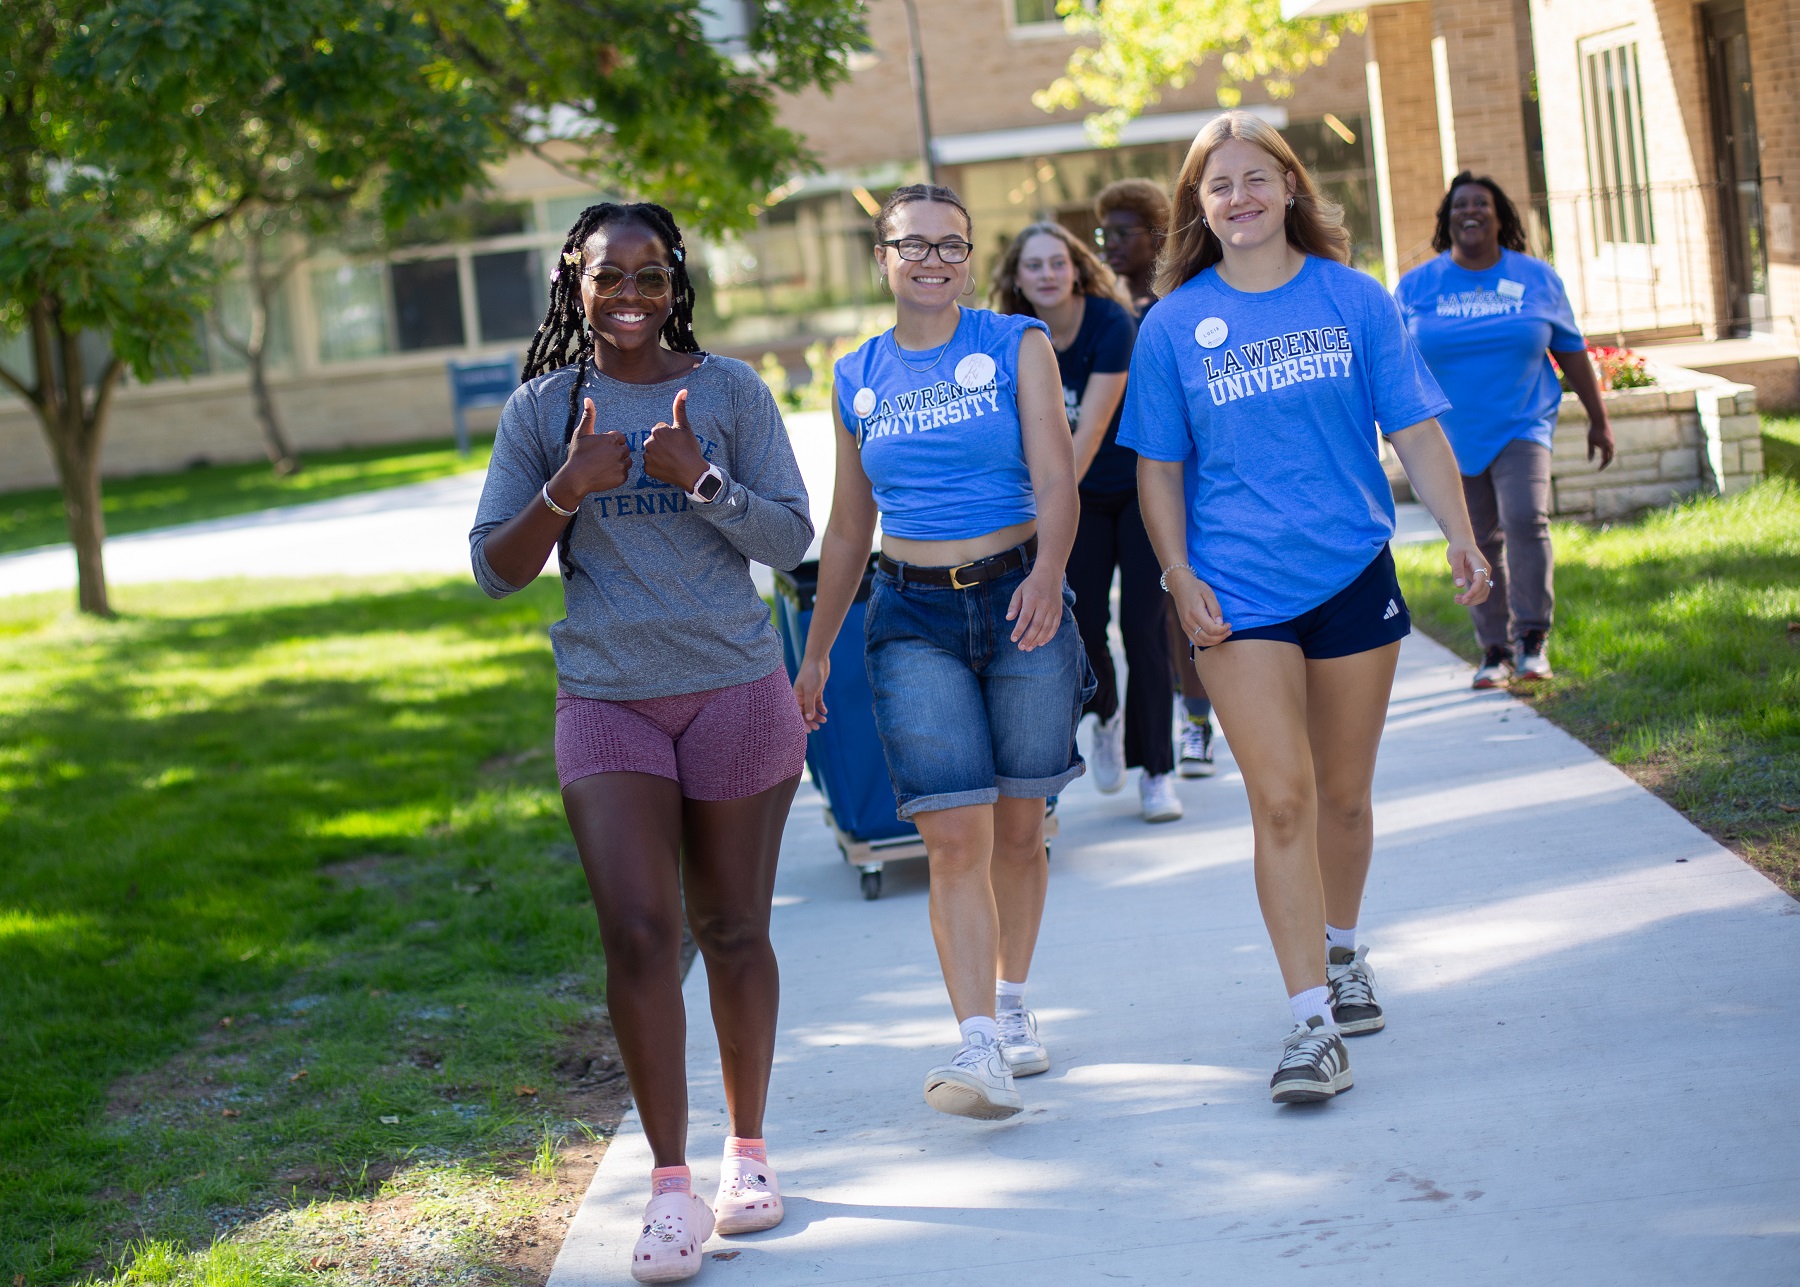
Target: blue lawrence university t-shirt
x,y
1279,396
1486,337
1102,346
939,432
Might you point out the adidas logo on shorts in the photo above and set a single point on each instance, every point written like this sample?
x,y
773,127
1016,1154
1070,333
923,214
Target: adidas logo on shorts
x,y
1392,611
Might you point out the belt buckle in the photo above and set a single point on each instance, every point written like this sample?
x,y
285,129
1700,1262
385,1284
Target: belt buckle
x,y
955,583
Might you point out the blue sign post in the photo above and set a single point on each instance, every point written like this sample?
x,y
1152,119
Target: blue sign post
x,y
488,382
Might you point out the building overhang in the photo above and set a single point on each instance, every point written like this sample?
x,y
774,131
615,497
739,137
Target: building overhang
x,y
1292,10
1071,136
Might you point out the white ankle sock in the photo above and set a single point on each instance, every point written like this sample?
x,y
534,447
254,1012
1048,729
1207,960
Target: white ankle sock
x,y
1344,938
980,1030
1310,1002
1008,996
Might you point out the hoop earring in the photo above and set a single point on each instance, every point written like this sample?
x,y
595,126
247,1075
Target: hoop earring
x,y
970,288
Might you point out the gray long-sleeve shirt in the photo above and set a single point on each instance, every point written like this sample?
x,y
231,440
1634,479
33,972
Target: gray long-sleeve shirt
x,y
657,592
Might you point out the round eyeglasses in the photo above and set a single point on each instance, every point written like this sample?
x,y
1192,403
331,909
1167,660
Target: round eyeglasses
x,y
652,282
914,249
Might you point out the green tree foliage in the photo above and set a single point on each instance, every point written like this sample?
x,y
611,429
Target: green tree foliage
x,y
134,134
1134,49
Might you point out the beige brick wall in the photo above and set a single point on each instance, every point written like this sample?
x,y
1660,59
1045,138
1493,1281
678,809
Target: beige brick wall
x,y
1675,285
1399,42
981,73
1486,88
171,424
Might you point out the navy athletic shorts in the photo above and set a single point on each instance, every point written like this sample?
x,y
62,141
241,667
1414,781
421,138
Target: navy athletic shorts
x,y
1368,613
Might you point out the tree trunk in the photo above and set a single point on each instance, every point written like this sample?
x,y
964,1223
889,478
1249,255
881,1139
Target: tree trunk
x,y
78,469
281,456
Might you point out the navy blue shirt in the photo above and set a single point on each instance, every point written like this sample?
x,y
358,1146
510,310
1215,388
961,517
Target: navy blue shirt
x,y
1101,347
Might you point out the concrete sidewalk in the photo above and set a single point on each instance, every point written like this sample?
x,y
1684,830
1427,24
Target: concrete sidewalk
x,y
1587,1075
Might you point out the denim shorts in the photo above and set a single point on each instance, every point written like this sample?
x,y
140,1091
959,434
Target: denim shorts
x,y
964,716
1368,613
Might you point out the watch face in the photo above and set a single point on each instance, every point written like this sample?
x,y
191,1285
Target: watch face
x,y
710,486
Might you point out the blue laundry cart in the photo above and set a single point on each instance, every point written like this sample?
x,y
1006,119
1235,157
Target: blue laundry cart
x,y
845,756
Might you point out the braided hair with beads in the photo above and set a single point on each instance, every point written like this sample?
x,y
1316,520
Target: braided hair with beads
x,y
564,338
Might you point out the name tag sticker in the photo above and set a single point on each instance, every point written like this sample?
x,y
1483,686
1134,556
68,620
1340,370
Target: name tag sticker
x,y
1510,289
975,371
864,402
1210,333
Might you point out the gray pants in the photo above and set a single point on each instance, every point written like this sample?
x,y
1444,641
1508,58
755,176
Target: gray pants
x,y
1509,507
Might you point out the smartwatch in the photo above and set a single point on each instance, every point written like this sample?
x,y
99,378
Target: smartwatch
x,y
708,487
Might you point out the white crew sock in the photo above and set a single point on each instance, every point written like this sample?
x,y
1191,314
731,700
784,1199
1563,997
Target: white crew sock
x,y
1310,1002
1008,996
1344,938
979,1030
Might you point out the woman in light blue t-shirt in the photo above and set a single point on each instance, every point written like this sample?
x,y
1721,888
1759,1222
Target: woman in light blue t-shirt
x,y
951,427
1276,366
1488,318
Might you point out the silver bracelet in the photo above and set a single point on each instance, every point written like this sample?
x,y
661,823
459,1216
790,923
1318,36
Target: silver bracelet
x,y
1163,581
545,493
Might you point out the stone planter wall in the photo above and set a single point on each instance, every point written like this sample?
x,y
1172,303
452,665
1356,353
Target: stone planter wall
x,y
1688,433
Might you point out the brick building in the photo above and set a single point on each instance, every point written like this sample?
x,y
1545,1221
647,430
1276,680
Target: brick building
x,y
1656,141
360,340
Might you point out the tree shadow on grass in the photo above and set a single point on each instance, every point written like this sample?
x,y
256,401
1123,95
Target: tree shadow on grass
x,y
179,799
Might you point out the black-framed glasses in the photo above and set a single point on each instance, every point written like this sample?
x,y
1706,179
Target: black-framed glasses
x,y
653,282
953,250
1104,237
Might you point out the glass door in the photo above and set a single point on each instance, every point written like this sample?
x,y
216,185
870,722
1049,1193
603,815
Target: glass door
x,y
1738,167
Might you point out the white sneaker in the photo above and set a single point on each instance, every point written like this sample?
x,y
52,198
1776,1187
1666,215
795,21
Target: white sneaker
x,y
1314,1065
1534,659
1157,793
1108,752
976,1083
1025,1054
1496,668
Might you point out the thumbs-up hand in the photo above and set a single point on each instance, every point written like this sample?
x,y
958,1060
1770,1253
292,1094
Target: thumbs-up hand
x,y
671,453
597,462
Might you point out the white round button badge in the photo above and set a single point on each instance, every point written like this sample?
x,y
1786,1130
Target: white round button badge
x,y
1210,333
975,371
864,402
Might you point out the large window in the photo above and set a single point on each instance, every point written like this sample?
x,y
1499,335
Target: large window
x,y
351,309
1618,170
427,304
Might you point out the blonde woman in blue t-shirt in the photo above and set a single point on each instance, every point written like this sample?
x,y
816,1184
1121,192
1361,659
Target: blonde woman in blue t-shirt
x,y
951,427
1276,365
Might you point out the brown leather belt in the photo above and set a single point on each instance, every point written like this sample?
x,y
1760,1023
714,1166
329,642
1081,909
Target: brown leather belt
x,y
964,576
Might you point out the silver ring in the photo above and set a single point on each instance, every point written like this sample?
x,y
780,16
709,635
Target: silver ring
x,y
1484,572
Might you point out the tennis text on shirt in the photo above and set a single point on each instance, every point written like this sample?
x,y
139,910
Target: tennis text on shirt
x,y
640,495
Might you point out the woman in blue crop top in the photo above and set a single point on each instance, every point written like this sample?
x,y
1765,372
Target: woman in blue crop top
x,y
951,428
1269,366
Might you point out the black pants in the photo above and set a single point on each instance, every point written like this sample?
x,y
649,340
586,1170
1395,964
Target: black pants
x,y
1112,535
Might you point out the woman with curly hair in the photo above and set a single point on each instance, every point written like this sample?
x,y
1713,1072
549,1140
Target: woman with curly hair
x,y
1047,274
657,472
1488,318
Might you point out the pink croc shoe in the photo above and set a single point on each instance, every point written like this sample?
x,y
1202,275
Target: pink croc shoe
x,y
668,1250
749,1196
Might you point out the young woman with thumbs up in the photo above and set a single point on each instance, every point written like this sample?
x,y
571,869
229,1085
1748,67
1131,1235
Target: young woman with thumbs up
x,y
657,472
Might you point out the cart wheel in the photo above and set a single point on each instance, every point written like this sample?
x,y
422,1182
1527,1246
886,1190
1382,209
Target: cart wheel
x,y
871,885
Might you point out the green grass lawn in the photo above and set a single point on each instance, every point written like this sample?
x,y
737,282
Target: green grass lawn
x,y
1781,445
32,518
289,917
1677,656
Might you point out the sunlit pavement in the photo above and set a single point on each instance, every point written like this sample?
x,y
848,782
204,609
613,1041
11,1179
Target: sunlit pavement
x,y
1586,1078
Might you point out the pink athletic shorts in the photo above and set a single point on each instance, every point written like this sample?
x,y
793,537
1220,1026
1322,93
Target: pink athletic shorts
x,y
722,744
